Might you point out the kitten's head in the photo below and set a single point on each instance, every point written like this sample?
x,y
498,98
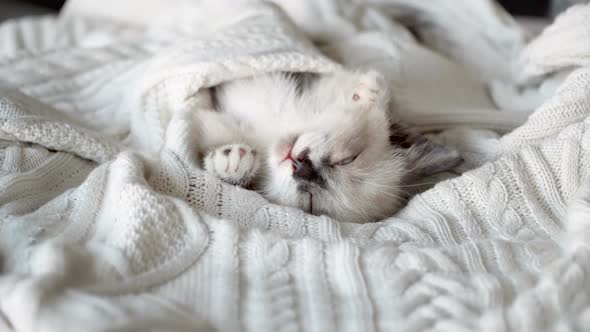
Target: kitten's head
x,y
348,159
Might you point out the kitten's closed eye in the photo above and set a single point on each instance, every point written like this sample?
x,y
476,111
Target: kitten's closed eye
x,y
345,161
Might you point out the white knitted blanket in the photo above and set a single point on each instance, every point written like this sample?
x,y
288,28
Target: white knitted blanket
x,y
107,224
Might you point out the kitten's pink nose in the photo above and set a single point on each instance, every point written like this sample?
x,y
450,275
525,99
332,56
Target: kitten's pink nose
x,y
242,152
285,147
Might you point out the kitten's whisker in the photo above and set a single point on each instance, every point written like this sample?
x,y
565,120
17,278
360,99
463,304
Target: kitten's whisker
x,y
418,184
408,171
384,192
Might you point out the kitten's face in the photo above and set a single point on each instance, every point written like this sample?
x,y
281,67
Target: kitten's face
x,y
342,165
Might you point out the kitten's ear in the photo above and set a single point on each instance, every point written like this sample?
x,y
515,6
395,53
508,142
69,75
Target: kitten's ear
x,y
425,156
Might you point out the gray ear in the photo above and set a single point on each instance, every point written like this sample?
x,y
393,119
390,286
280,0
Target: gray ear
x,y
425,156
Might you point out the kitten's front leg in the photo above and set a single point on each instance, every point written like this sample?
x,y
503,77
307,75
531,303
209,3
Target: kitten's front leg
x,y
236,164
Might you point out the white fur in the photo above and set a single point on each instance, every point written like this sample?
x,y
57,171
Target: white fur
x,y
335,118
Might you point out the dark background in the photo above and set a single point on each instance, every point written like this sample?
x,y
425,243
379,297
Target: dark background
x,y
526,7
53,4
516,7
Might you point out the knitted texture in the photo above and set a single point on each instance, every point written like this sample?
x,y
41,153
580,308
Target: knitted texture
x,y
107,223
570,31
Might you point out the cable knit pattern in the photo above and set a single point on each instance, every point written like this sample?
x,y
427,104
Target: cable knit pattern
x,y
107,223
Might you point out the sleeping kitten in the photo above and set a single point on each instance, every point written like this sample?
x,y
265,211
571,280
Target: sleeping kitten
x,y
326,145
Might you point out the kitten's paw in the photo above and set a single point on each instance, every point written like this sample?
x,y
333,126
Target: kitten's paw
x,y
234,163
369,90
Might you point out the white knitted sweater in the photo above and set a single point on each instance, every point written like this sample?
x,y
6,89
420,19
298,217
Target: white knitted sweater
x,y
106,223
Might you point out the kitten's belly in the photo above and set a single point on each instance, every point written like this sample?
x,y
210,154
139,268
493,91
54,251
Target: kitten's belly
x,y
258,106
263,133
